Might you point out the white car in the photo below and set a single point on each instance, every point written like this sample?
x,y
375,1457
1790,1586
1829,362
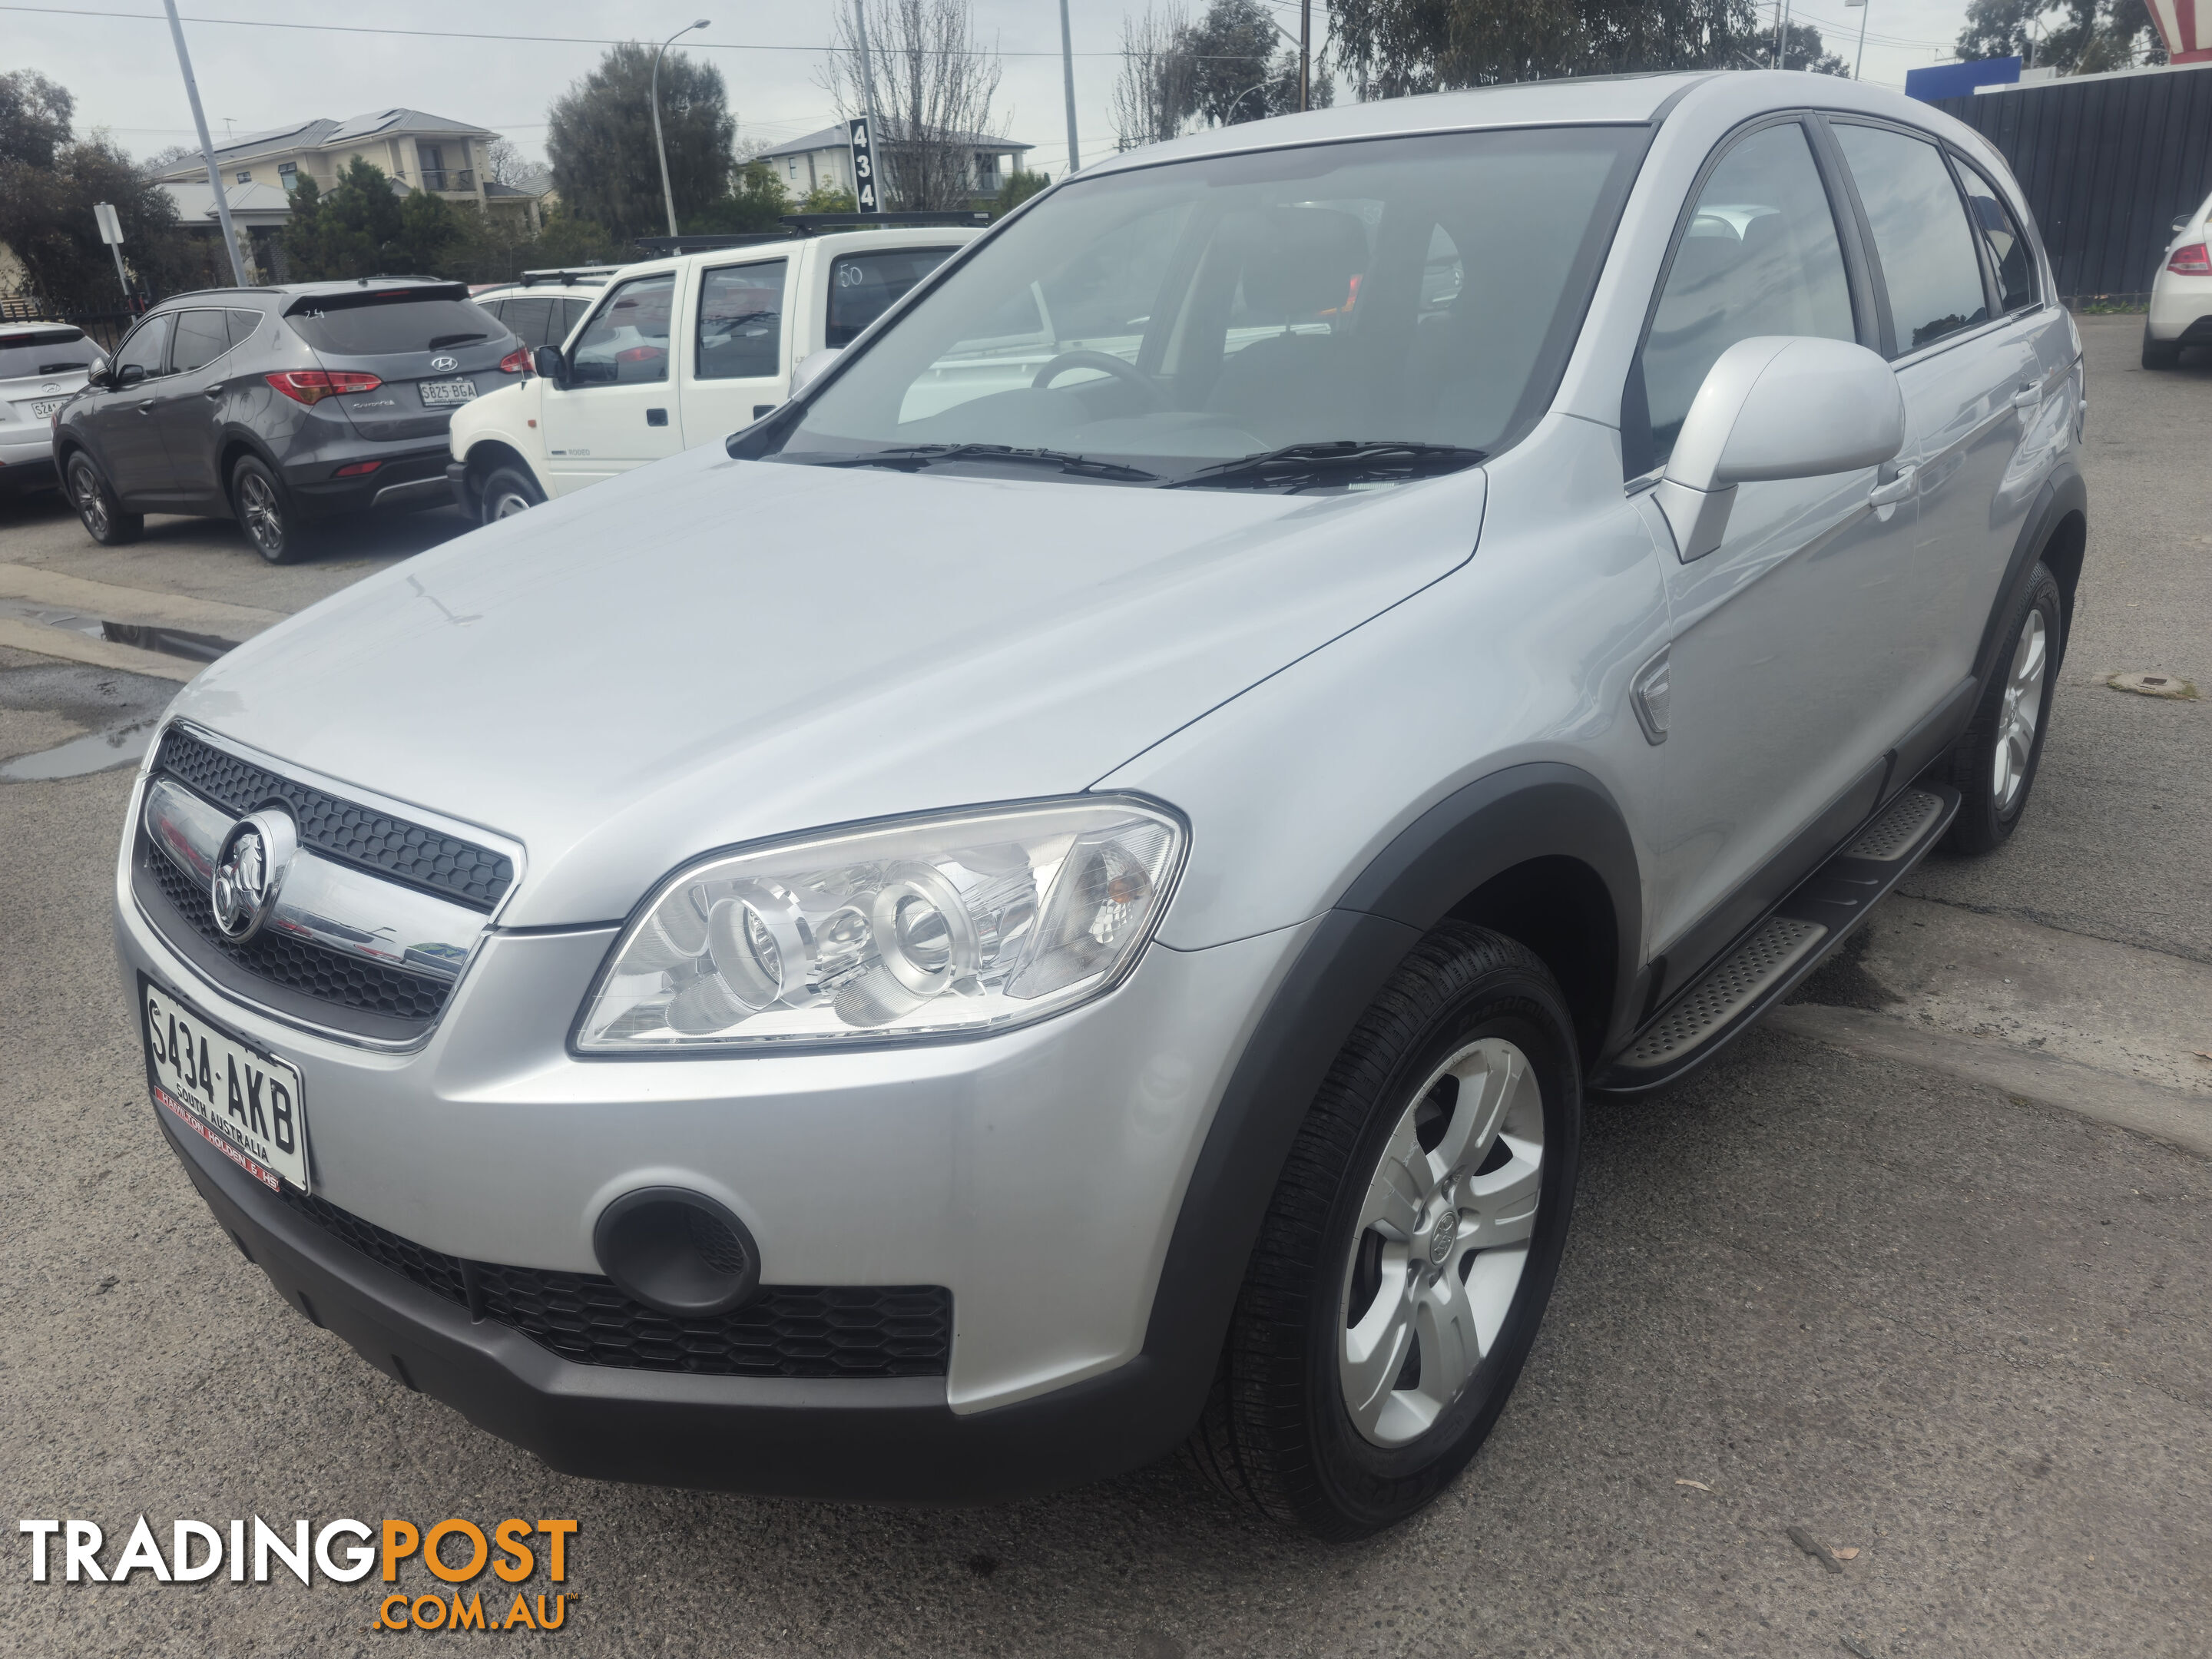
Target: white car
x,y
544,306
42,366
2181,293
618,394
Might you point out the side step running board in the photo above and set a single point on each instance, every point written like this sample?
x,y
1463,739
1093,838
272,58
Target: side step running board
x,y
1770,961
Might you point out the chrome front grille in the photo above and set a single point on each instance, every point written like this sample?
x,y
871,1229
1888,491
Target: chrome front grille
x,y
371,924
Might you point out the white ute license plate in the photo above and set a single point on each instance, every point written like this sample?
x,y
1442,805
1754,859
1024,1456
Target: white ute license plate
x,y
245,1104
439,394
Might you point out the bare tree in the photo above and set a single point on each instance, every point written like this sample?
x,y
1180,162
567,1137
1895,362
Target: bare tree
x,y
934,81
504,162
1155,91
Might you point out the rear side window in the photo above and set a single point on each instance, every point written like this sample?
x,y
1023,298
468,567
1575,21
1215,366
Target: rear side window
x,y
148,347
1761,256
1920,234
242,325
741,320
386,327
202,337
525,317
2010,255
45,352
864,286
626,342
570,312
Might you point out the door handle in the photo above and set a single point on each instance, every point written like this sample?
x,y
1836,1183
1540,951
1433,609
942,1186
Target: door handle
x,y
1897,489
146,406
656,417
211,393
2027,397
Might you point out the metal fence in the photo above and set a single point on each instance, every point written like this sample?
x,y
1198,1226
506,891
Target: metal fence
x,y
106,327
2108,163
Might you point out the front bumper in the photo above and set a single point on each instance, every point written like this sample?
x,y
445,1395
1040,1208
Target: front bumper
x,y
892,1439
1036,1176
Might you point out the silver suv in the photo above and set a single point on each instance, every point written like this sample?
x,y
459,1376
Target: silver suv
x,y
1061,894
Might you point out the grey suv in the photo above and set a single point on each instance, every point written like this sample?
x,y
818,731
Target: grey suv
x,y
1061,894
280,406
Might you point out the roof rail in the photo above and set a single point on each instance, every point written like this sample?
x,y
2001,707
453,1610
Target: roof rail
x,y
661,247
567,274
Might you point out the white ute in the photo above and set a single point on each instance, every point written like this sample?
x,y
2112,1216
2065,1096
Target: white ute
x,y
619,394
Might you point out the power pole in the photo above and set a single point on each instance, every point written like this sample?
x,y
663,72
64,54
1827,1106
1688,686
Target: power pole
x,y
1068,79
879,150
1860,63
207,147
1305,54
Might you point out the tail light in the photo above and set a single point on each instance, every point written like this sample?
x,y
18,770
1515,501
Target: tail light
x,y
516,361
2191,261
311,386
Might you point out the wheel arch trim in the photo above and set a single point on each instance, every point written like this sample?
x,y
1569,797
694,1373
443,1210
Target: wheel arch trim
x,y
1478,832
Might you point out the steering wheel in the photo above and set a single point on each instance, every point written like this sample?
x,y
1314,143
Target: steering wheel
x,y
1127,373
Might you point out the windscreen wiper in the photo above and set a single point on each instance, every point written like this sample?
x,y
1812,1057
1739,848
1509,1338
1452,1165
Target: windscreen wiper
x,y
912,458
1295,467
439,341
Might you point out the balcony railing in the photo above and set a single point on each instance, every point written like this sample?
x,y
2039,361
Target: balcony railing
x,y
450,178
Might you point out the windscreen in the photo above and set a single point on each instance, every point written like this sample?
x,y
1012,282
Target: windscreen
x,y
380,327
1420,290
48,351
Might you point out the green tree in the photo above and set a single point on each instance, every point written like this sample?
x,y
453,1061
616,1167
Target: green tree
x,y
1394,47
827,199
351,230
569,241
434,236
34,118
1017,189
755,202
48,186
599,140
2074,37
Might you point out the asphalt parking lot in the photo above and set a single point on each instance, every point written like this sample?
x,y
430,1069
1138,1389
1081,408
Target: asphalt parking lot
x,y
1893,1272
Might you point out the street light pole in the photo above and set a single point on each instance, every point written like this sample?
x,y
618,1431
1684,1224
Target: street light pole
x,y
1860,62
879,147
1067,80
1305,54
207,146
667,196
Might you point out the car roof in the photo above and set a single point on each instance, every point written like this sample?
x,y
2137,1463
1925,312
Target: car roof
x,y
1577,100
834,242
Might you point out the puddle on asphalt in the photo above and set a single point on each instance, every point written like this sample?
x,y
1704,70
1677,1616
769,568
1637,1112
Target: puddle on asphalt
x,y
95,751
170,641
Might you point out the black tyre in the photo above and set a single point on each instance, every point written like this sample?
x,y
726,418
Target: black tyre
x,y
509,490
103,516
2158,354
267,512
1410,1248
1994,765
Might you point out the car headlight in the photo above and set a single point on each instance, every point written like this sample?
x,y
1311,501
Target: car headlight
x,y
970,922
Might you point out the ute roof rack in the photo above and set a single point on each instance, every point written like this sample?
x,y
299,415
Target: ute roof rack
x,y
566,274
805,224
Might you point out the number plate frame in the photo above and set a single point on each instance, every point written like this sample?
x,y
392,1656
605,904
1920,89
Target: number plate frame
x,y
219,1055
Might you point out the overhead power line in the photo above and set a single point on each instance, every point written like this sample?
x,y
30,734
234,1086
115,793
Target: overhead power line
x,y
478,34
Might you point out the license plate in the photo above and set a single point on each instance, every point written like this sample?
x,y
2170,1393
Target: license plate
x,y
247,1105
40,412
437,394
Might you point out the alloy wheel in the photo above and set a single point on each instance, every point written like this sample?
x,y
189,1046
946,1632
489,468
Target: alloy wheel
x,y
2021,709
1442,1241
508,502
91,503
258,505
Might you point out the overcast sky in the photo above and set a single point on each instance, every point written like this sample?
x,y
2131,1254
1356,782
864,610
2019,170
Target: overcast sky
x,y
123,73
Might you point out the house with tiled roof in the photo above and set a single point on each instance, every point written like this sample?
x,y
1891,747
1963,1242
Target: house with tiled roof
x,y
824,160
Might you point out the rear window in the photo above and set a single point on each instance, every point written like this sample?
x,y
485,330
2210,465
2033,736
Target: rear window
x,y
379,327
48,351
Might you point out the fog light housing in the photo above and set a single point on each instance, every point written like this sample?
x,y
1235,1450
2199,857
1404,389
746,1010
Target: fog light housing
x,y
679,1252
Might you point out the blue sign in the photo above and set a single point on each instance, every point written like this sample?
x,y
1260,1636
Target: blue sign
x,y
1960,79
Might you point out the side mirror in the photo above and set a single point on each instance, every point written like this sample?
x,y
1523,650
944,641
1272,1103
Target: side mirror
x,y
1775,406
129,374
2182,223
547,362
812,366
